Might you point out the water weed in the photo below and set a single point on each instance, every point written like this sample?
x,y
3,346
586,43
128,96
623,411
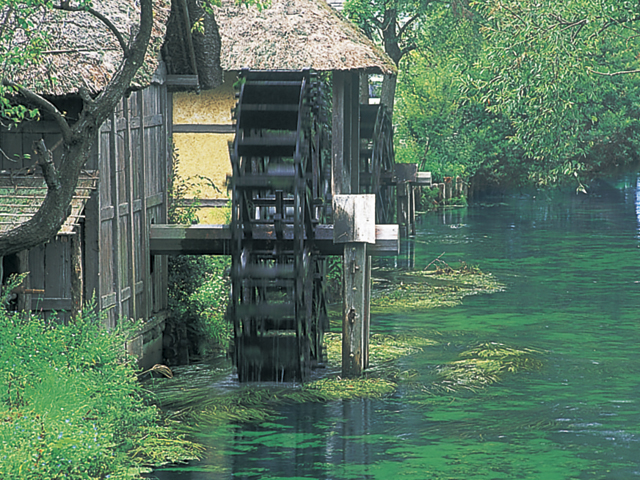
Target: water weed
x,y
382,348
424,289
483,365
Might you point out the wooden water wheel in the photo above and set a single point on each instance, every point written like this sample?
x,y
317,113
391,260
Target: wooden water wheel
x,y
279,194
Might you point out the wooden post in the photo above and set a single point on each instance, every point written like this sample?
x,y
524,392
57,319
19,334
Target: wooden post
x,y
406,176
345,136
412,209
354,226
353,101
340,171
77,284
354,319
448,188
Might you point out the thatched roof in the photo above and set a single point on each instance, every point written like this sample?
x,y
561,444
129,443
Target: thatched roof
x,y
292,35
22,195
85,53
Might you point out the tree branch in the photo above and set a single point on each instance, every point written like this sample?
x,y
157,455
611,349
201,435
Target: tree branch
x,y
611,23
377,23
409,48
6,22
45,105
131,62
68,8
407,24
49,170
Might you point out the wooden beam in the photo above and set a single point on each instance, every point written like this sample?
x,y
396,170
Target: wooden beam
x,y
204,128
354,319
187,32
353,145
216,239
423,179
340,176
182,81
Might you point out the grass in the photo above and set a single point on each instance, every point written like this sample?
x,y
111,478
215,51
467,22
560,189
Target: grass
x,y
71,405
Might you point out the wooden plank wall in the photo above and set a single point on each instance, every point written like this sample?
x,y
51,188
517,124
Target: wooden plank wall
x,y
133,159
49,265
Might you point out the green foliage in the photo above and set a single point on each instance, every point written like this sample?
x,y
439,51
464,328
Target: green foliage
x,y
521,93
198,298
333,278
20,44
71,405
546,67
209,302
396,24
198,285
441,130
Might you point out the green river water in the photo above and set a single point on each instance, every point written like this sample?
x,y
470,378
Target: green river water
x,y
571,270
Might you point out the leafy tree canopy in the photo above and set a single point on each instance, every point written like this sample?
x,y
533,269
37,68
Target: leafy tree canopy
x,y
522,92
564,73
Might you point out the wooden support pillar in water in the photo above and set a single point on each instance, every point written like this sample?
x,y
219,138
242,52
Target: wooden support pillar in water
x,y
355,321
406,176
354,226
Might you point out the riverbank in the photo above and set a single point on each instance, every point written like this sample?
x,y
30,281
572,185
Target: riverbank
x,y
71,405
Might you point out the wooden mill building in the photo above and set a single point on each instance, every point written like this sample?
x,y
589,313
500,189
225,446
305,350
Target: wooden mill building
x,y
288,35
102,251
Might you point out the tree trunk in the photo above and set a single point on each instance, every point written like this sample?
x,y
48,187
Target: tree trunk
x,y
391,42
388,93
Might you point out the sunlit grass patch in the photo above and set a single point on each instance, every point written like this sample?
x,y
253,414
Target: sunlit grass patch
x,y
71,405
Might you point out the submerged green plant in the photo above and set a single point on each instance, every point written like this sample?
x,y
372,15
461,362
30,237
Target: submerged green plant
x,y
346,388
382,348
483,365
426,289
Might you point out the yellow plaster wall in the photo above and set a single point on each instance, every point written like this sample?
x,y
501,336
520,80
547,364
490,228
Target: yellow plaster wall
x,y
214,216
206,154
207,107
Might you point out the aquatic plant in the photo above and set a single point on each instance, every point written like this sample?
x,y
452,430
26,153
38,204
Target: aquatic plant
x,y
382,348
483,365
347,388
443,286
